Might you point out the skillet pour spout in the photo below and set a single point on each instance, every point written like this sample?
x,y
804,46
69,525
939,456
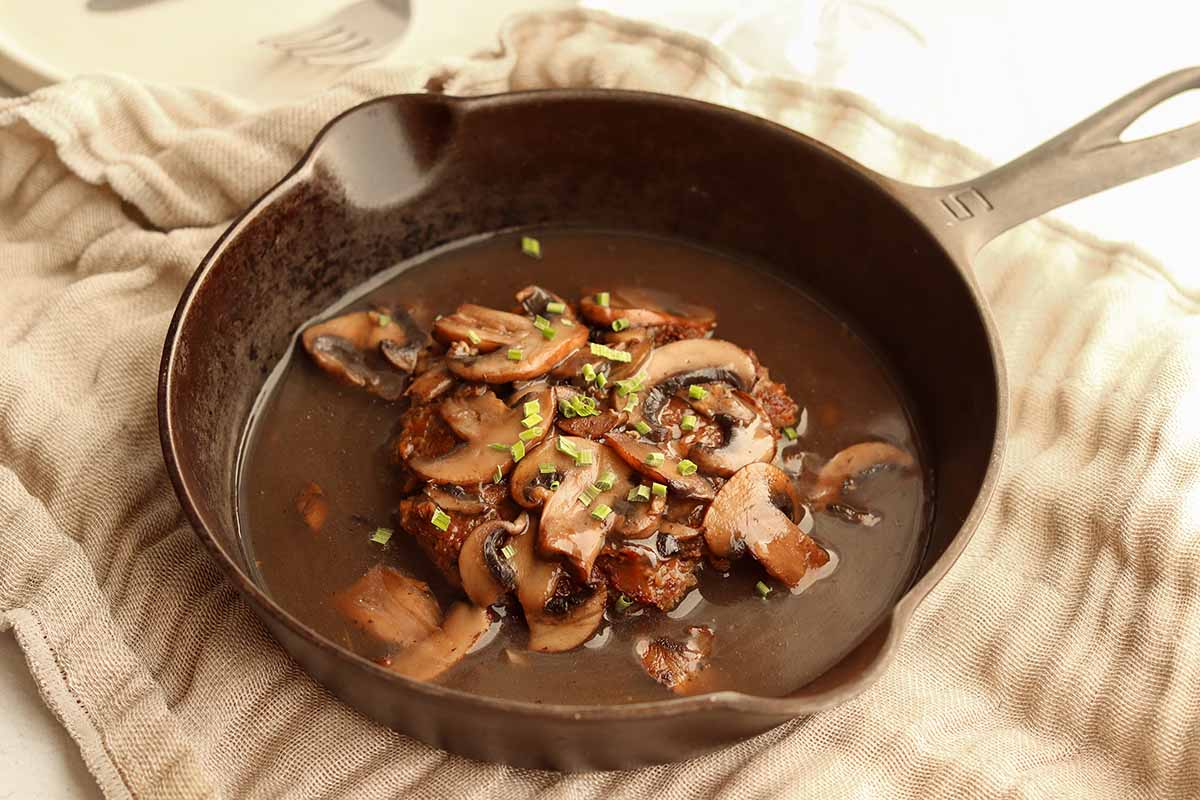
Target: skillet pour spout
x,y
398,176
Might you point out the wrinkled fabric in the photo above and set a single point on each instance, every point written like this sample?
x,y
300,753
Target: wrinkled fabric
x,y
1059,658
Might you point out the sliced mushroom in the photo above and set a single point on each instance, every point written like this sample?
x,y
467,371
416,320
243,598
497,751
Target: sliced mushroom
x,y
431,384
676,664
758,509
593,426
747,432
313,506
390,606
500,336
343,346
487,575
851,465
649,308
445,646
537,583
534,300
680,364
635,453
483,420
569,529
479,499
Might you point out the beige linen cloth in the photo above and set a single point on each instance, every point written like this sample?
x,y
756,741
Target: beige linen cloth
x,y
1060,658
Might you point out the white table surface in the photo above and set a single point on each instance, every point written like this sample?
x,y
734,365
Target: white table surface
x,y
998,75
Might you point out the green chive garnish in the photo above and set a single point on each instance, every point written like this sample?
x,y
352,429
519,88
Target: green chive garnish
x,y
543,325
530,435
658,489
605,351
588,496
565,446
548,333
605,482
554,485
655,459
620,324
474,337
762,589
547,469
602,299
790,433
531,407
688,423
601,380
531,247
515,355
499,476
639,494
584,459
686,467
623,603
697,392
440,519
498,446
518,449
589,373
555,307
383,320
641,427
601,512
532,421
508,551
381,535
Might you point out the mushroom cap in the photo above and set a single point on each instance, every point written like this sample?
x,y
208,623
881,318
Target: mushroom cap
x,y
390,606
486,575
747,432
537,580
634,452
445,646
749,513
498,332
342,345
646,308
678,365
851,465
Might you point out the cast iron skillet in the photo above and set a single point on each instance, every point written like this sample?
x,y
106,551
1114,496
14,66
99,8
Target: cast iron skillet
x,y
399,175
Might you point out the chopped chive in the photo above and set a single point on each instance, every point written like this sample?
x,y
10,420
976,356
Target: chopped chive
x,y
631,385
658,489
601,512
588,496
686,467
623,603
531,407
619,324
697,392
566,409
381,535
555,307
605,351
515,355
531,247
498,446
532,421
601,380
474,337
655,459
499,476
547,469
642,427
543,325
508,551
518,449
688,423
581,406
383,320
548,333
584,459
589,373
790,433
605,482
440,519
530,435
762,589
554,485
602,299
639,494
564,445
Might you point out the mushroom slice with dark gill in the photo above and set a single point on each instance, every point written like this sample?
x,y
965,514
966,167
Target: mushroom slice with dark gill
x,y
487,573
444,647
644,457
431,384
748,434
366,348
487,425
675,664
843,473
313,506
679,365
390,606
558,621
758,510
499,347
649,308
536,301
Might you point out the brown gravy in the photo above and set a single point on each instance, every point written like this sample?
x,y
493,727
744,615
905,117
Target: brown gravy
x,y
309,428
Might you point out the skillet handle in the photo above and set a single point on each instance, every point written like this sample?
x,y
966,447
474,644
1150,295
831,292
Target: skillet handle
x,y
1083,160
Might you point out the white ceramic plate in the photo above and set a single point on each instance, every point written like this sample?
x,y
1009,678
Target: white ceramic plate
x,y
213,44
